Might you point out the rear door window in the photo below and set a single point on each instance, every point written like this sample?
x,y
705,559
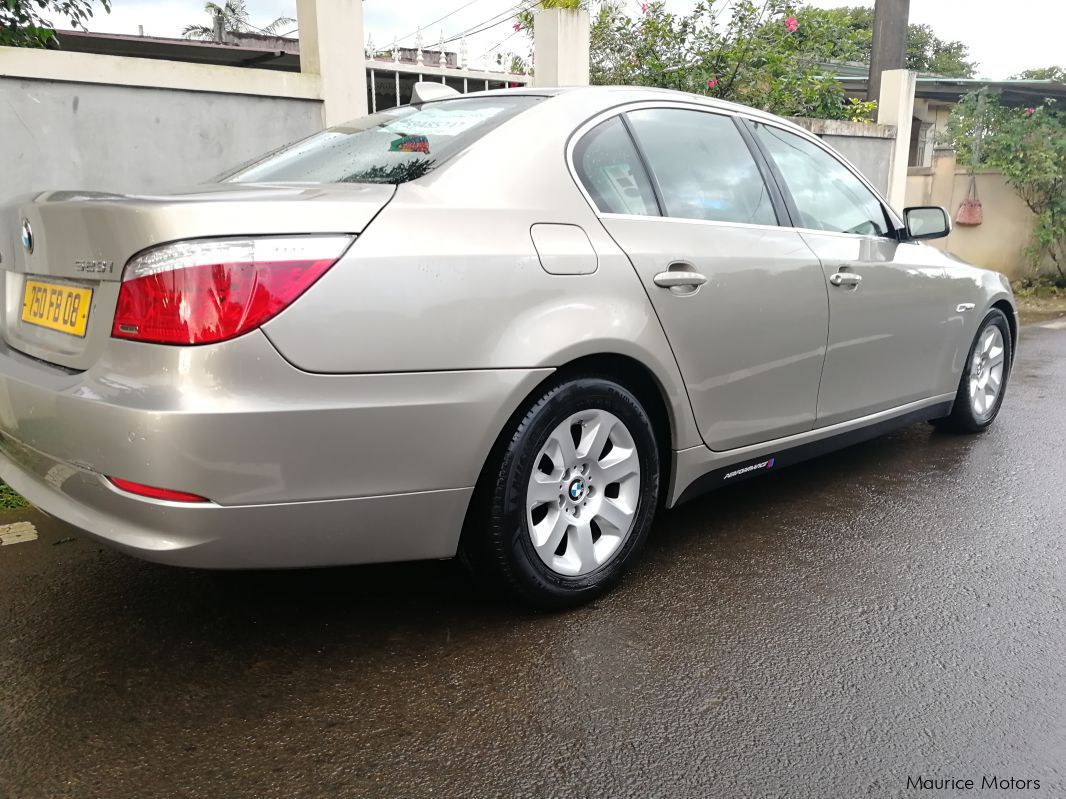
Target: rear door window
x,y
393,146
703,166
611,171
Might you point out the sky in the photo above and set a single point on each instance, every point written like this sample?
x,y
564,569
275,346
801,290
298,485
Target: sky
x,y
1004,38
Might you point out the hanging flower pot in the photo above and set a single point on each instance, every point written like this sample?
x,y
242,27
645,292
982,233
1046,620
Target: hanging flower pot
x,y
970,212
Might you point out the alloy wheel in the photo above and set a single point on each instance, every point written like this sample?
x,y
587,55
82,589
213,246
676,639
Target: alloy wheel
x,y
986,372
582,496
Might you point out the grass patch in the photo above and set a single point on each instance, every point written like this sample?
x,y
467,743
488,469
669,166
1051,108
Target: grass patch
x,y
9,499
1040,298
1044,287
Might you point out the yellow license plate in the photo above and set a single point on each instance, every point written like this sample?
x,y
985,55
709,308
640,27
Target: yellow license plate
x,y
58,307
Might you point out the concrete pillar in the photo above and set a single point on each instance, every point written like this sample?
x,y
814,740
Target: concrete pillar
x,y
331,46
889,45
561,47
942,188
895,106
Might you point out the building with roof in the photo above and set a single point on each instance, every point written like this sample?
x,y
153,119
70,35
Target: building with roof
x,y
935,96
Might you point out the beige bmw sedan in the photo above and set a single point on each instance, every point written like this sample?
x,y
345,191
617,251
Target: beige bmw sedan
x,y
508,326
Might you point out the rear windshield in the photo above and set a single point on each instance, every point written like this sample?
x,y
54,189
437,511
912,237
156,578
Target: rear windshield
x,y
393,146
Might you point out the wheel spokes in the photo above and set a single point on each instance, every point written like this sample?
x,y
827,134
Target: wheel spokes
x,y
549,532
615,516
594,436
584,548
543,488
583,492
986,371
620,463
560,448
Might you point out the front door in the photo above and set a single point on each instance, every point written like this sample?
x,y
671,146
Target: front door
x,y
742,299
888,301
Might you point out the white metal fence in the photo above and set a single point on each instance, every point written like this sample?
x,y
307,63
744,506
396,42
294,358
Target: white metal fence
x,y
389,82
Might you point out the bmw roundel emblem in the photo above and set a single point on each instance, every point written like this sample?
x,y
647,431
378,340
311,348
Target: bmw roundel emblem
x,y
577,488
27,236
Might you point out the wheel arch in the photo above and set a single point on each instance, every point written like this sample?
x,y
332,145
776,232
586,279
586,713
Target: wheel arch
x,y
1012,322
622,369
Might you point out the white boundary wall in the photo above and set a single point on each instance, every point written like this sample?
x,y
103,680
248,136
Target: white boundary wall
x,y
107,123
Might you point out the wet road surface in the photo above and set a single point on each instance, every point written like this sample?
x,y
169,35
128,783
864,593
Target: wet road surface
x,y
891,611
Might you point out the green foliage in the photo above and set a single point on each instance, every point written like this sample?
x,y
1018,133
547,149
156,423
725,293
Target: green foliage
x,y
860,110
525,18
1028,145
1043,73
21,23
926,52
766,53
9,499
748,52
235,18
970,124
1041,287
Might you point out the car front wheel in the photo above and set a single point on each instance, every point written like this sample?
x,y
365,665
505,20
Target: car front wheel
x,y
984,378
572,496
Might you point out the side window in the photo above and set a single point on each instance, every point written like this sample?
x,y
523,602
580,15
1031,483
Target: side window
x,y
608,165
827,194
703,167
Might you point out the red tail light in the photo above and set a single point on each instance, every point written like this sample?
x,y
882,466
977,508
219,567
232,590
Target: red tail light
x,y
209,290
155,493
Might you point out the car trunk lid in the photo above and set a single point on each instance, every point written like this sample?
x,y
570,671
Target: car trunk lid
x,y
62,253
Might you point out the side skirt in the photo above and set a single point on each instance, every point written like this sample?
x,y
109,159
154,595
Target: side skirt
x,y
742,470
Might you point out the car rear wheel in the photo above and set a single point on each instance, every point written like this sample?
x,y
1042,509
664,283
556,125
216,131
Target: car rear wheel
x,y
570,496
984,378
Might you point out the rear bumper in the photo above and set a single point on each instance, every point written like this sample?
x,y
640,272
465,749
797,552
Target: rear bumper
x,y
324,533
301,469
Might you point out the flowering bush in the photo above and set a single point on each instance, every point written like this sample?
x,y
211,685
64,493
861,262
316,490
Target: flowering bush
x,y
747,51
1028,145
21,23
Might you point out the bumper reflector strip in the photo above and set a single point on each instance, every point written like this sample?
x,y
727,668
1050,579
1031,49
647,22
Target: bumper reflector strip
x,y
155,493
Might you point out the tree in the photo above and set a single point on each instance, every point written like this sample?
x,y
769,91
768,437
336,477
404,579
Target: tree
x,y
21,23
749,52
525,18
234,16
1028,145
1043,73
926,52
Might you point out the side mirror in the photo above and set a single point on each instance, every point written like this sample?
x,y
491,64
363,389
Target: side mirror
x,y
926,222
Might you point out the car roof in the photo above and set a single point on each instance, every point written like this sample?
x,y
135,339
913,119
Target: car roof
x,y
602,98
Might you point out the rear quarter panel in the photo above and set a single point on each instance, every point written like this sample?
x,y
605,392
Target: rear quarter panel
x,y
447,277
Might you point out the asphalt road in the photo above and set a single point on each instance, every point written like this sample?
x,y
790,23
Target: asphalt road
x,y
891,611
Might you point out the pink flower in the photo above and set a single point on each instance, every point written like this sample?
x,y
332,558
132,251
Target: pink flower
x,y
1030,111
712,83
791,24
643,8
517,26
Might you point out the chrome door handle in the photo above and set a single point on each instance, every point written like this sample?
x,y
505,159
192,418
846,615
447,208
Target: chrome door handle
x,y
845,279
675,279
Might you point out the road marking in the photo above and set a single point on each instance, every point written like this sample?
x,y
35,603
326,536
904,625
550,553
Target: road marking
x,y
1059,325
17,533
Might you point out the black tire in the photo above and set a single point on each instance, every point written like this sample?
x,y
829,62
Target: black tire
x,y
497,544
963,417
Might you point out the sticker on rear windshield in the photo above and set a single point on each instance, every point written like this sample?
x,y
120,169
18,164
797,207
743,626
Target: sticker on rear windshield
x,y
437,121
410,144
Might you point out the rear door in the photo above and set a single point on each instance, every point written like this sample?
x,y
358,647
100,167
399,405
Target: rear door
x,y
888,301
741,298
